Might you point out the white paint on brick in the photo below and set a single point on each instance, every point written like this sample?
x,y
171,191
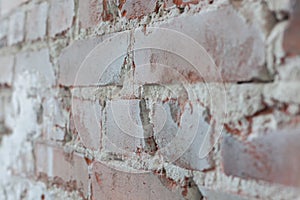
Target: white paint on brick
x,y
38,62
7,6
60,16
3,28
50,161
6,68
36,21
16,27
35,75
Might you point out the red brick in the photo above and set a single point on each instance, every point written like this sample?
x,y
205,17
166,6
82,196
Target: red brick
x,y
180,3
72,57
138,8
6,68
61,14
58,165
237,47
152,65
87,116
291,41
89,13
110,9
108,183
268,156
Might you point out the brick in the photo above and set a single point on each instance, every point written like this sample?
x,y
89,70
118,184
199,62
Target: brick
x,y
119,136
71,59
110,9
236,47
61,167
179,3
270,157
89,73
181,134
291,43
89,13
38,62
152,65
6,68
87,117
61,15
8,5
16,28
209,194
55,118
138,8
36,21
3,32
108,183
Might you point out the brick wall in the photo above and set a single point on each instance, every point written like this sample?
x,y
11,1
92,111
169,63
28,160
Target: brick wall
x,y
149,99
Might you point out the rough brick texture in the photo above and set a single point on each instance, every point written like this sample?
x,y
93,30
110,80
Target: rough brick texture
x,y
149,99
265,157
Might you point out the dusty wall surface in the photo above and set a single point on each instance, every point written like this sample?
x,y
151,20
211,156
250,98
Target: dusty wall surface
x,y
156,99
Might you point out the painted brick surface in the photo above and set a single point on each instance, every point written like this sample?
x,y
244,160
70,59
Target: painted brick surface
x,y
61,15
72,69
181,139
8,5
16,27
129,136
6,67
36,22
158,99
87,116
36,61
3,32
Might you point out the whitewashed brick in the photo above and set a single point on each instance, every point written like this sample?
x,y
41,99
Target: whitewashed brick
x,y
60,16
16,28
6,69
3,28
8,5
36,21
38,61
